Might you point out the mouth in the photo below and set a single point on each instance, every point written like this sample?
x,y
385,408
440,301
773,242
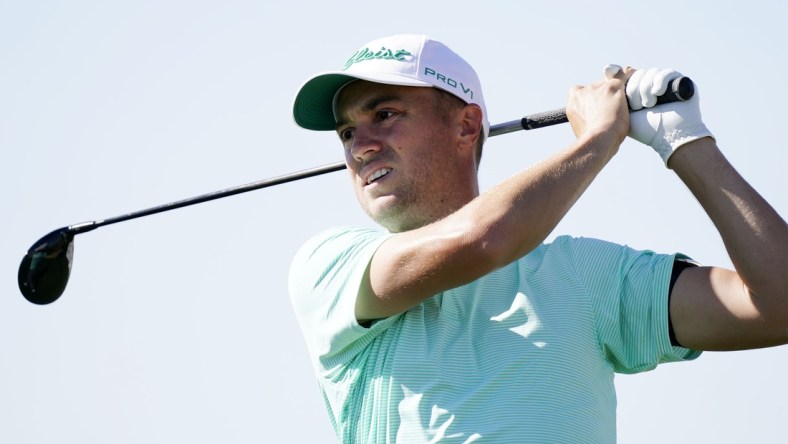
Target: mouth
x,y
377,174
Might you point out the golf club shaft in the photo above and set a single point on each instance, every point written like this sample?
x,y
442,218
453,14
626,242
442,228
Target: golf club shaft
x,y
680,89
541,119
495,130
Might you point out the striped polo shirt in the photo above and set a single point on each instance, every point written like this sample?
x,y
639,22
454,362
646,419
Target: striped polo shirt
x,y
525,354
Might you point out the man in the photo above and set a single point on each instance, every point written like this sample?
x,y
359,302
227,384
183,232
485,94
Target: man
x,y
458,324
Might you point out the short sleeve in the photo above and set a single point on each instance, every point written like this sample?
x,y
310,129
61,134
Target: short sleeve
x,y
628,290
325,277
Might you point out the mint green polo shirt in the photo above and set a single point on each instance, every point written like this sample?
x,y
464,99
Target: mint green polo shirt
x,y
525,354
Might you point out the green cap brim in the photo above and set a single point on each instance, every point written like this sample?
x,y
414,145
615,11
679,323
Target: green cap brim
x,y
313,105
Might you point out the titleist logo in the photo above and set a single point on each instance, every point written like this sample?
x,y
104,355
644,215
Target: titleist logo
x,y
383,54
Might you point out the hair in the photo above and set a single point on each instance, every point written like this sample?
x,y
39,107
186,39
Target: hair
x,y
448,101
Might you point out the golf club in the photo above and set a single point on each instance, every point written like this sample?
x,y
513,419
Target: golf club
x,y
45,269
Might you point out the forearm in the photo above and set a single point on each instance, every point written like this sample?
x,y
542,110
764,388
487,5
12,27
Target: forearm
x,y
755,236
515,216
489,232
504,223
521,212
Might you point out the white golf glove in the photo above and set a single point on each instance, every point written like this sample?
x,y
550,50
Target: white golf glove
x,y
665,127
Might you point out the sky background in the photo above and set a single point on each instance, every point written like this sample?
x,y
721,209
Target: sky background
x,y
178,327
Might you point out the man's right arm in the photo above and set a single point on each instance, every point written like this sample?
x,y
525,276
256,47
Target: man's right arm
x,y
503,223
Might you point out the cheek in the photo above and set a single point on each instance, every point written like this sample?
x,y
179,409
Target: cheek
x,y
353,176
349,160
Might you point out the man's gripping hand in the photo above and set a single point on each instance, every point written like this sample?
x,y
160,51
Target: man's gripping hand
x,y
664,127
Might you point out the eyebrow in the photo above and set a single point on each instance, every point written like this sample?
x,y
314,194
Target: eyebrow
x,y
371,104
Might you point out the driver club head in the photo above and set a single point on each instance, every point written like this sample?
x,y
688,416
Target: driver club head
x,y
44,270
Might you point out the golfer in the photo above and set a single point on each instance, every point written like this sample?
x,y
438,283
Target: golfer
x,y
455,322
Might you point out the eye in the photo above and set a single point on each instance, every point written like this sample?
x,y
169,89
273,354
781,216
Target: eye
x,y
385,114
346,134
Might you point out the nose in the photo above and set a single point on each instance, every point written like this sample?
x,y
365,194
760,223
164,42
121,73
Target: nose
x,y
365,143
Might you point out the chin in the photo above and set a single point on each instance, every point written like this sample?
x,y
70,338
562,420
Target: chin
x,y
388,218
392,213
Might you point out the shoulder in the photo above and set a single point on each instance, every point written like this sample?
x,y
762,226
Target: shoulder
x,y
584,251
334,241
324,279
588,251
333,257
600,263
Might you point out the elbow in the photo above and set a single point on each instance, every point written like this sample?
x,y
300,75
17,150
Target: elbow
x,y
475,246
777,321
773,310
491,246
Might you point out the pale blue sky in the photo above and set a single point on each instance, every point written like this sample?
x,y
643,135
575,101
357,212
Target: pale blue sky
x,y
178,327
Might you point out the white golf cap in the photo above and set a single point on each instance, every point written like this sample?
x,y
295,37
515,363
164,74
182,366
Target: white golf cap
x,y
409,60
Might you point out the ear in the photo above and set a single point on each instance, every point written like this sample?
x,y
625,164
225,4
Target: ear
x,y
471,125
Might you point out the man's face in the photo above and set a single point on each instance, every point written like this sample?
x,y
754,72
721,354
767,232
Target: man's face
x,y
403,154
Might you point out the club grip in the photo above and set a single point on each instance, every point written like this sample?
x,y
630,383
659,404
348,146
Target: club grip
x,y
679,90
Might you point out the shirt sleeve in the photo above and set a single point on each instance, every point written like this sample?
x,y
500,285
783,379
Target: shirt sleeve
x,y
325,277
628,290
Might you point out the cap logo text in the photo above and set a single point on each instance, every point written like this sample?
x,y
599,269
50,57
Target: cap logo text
x,y
429,72
383,54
